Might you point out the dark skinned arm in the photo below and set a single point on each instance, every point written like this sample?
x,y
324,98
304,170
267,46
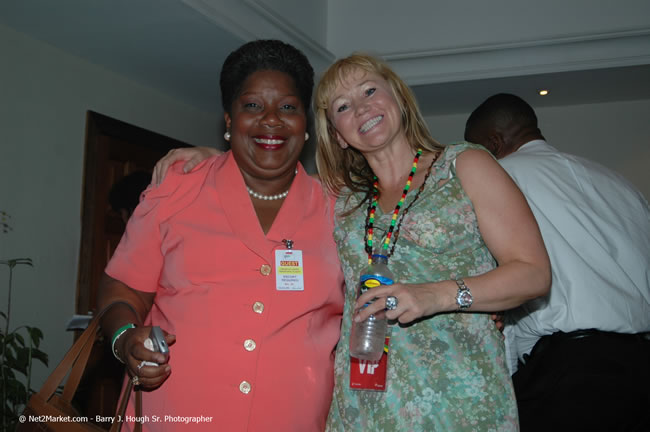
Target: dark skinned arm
x,y
131,306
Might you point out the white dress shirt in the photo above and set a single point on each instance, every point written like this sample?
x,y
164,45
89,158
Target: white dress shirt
x,y
596,228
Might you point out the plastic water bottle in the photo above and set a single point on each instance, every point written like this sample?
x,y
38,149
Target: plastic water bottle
x,y
367,338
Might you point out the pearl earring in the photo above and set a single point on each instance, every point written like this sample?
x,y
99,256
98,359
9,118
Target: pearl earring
x,y
226,136
306,136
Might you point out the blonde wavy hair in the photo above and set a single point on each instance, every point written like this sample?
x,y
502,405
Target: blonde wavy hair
x,y
340,167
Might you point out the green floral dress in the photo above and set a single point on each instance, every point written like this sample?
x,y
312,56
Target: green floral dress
x,y
447,372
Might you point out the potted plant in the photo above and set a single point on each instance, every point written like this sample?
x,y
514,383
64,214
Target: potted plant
x,y
19,348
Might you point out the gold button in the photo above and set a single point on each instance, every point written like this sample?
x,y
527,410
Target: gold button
x,y
265,269
245,387
249,344
258,307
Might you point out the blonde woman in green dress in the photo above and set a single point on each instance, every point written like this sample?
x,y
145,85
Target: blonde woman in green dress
x,y
463,242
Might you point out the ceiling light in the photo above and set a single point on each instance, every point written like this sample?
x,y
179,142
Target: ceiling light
x,y
543,92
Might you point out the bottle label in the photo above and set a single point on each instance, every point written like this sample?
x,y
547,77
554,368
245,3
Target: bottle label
x,y
369,375
373,281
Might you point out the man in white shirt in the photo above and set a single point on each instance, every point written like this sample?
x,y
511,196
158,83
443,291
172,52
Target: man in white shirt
x,y
583,350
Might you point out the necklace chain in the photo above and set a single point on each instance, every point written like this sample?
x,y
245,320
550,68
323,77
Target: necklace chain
x,y
395,225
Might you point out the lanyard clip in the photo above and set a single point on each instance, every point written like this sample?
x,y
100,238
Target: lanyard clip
x,y
288,243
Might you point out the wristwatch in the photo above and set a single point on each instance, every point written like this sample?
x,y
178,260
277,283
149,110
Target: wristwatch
x,y
464,297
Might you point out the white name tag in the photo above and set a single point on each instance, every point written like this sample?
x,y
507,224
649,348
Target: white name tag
x,y
289,270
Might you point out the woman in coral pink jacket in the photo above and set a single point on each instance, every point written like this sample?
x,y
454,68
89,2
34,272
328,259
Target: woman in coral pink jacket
x,y
236,263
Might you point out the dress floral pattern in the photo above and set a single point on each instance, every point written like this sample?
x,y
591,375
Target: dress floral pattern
x,y
447,372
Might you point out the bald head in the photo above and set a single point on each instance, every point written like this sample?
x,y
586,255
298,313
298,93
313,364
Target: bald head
x,y
502,124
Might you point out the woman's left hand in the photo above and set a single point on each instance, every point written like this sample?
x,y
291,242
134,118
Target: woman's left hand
x,y
413,301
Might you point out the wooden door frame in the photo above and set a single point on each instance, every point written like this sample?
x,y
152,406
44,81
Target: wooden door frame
x,y
97,127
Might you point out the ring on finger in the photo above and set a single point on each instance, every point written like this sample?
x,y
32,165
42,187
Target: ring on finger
x,y
391,303
135,380
141,364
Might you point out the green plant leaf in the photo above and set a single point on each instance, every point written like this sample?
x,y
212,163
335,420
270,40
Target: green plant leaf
x,y
20,350
10,339
10,356
36,334
15,261
16,391
22,359
40,355
8,371
19,338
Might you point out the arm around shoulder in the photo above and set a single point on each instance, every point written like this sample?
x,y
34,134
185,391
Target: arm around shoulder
x,y
191,155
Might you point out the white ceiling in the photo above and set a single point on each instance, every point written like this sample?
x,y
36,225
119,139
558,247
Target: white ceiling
x,y
453,54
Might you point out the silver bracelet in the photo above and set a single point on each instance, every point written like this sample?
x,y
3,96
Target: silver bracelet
x,y
117,335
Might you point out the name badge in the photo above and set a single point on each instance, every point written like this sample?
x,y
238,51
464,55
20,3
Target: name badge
x,y
289,270
369,375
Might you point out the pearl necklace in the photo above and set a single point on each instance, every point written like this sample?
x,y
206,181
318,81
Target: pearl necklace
x,y
254,194
282,195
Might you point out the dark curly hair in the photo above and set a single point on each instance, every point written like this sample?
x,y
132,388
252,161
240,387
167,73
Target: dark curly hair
x,y
265,55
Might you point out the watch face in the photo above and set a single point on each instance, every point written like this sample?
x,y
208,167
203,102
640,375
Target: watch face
x,y
464,299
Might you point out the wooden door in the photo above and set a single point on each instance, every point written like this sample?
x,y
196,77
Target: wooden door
x,y
113,150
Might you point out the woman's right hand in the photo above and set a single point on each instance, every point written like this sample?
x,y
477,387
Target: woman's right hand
x,y
132,350
192,155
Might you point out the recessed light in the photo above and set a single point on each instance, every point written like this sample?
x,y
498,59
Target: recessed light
x,y
543,92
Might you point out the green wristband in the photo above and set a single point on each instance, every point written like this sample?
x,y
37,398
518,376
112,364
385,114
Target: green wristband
x,y
117,335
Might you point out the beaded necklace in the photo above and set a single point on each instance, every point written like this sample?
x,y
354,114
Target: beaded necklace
x,y
372,207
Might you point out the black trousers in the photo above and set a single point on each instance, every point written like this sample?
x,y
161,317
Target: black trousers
x,y
585,380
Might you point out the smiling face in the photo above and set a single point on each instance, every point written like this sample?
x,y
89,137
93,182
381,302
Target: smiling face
x,y
364,112
267,122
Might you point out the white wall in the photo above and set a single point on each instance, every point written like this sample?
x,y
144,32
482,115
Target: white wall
x,y
477,23
308,17
44,96
616,135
